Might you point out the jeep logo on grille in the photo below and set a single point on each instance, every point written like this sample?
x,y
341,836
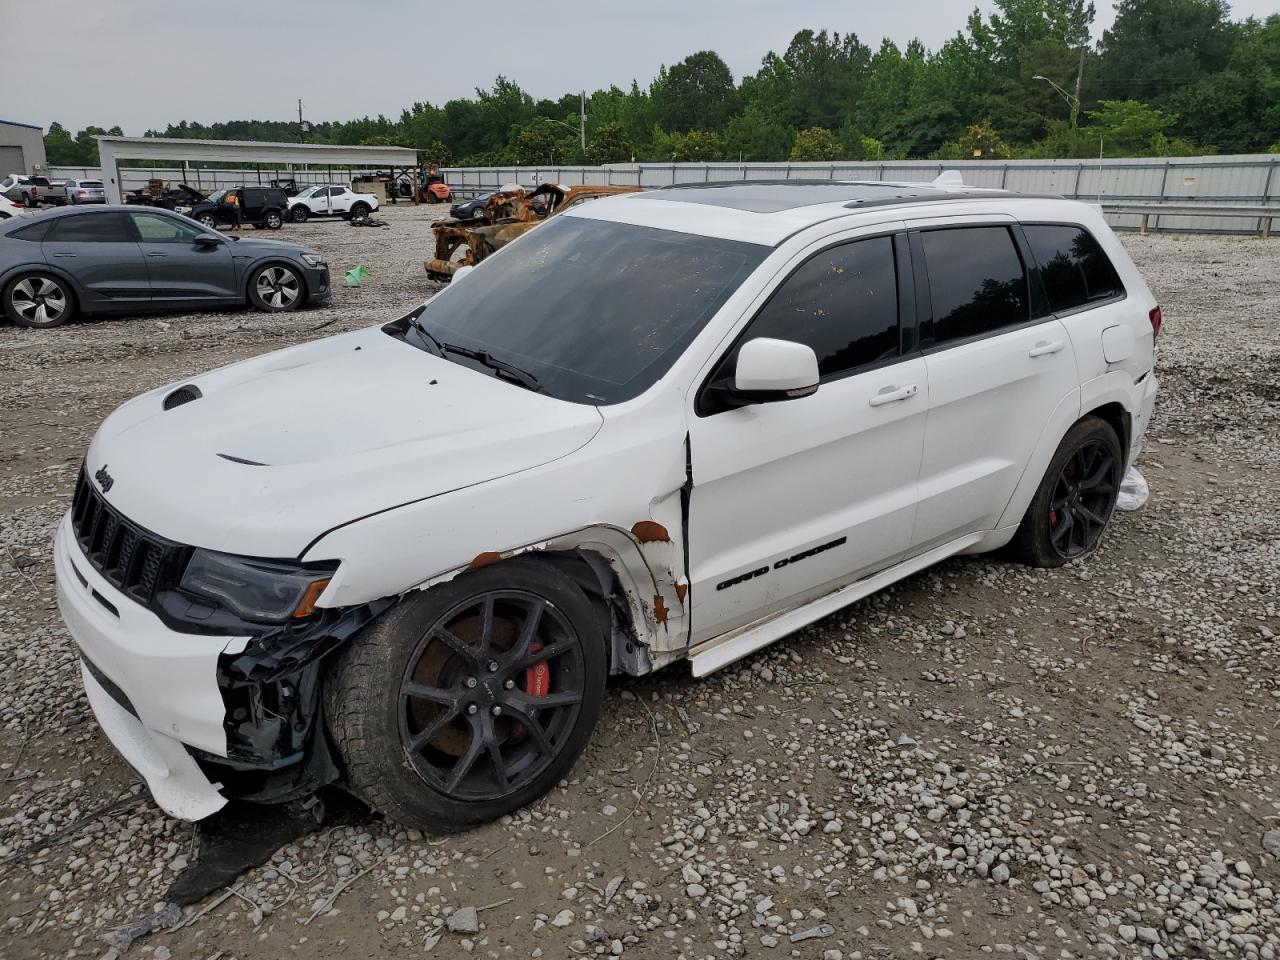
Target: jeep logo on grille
x,y
104,479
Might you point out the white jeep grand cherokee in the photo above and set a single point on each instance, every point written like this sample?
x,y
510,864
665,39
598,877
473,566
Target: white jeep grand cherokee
x,y
673,425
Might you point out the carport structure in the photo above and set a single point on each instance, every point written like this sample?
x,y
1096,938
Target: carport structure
x,y
315,156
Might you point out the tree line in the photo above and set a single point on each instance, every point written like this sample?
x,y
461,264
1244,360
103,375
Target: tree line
x,y
1171,77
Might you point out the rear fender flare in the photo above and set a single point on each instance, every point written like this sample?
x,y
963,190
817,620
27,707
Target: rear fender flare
x,y
42,267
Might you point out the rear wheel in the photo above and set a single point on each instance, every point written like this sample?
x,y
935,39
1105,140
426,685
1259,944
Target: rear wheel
x,y
39,300
1076,497
276,288
470,700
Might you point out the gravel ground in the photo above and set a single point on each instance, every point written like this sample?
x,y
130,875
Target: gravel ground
x,y
983,759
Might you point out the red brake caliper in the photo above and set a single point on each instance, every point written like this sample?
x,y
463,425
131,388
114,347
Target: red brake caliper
x,y
537,681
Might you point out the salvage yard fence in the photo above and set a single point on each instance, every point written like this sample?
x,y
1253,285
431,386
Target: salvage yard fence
x,y
1132,191
1249,181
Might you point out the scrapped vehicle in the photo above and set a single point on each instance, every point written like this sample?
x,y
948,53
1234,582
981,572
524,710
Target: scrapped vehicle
x,y
260,207
676,425
328,200
506,215
85,191
180,197
122,259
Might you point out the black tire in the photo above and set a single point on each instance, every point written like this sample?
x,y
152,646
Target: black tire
x,y
39,300
299,213
277,288
208,220
1075,499
434,759
273,220
360,209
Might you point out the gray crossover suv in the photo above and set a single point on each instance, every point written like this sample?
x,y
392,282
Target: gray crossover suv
x,y
118,259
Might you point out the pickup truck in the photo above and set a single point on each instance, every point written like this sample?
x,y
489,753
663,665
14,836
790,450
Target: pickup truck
x,y
29,191
327,200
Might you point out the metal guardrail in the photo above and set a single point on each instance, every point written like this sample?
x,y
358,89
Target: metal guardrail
x,y
1265,213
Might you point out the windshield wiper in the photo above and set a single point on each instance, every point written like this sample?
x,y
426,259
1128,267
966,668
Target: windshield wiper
x,y
522,377
422,331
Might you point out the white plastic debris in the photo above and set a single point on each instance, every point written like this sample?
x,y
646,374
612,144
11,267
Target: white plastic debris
x,y
1133,491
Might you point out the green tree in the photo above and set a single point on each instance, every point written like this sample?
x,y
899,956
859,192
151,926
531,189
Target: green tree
x,y
698,93
610,145
1129,128
696,146
540,143
980,142
60,149
816,144
1158,46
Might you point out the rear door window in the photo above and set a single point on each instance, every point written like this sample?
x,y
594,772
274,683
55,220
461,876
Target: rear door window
x,y
91,228
1073,267
977,281
842,302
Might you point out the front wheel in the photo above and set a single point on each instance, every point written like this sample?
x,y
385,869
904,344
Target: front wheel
x,y
276,288
1076,497
359,210
39,300
208,220
299,214
273,220
469,700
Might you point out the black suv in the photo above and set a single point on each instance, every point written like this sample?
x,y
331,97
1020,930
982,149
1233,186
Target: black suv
x,y
259,206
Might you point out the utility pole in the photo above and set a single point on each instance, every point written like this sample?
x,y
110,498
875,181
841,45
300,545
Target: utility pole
x,y
1075,107
582,120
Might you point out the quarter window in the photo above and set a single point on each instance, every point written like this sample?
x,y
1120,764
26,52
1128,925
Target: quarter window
x,y
90,228
1073,267
842,302
976,281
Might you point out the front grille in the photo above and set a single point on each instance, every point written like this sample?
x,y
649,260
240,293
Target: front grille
x,y
129,557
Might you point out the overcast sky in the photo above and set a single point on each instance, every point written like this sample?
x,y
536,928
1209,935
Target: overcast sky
x,y
143,64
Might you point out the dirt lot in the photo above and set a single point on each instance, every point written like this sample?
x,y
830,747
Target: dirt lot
x,y
984,759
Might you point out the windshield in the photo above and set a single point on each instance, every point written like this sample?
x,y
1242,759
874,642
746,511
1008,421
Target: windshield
x,y
217,195
308,192
595,312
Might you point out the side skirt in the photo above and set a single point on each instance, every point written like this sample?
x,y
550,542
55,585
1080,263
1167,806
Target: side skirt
x,y
728,648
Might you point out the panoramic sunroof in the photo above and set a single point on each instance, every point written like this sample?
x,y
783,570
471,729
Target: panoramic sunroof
x,y
773,197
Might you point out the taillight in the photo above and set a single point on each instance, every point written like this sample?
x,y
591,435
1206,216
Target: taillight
x,y
1156,322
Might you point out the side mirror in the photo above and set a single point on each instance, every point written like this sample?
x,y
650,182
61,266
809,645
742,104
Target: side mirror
x,y
771,370
208,239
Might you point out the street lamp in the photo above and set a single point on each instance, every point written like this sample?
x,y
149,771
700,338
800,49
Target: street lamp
x,y
1072,102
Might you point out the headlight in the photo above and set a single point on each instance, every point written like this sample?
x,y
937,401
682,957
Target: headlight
x,y
257,589
311,260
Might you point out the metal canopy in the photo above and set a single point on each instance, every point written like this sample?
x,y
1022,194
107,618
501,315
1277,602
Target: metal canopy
x,y
115,149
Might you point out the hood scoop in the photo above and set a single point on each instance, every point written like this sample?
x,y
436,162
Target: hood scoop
x,y
184,394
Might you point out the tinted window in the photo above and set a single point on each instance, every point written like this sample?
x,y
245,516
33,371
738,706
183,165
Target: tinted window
x,y
596,311
35,232
842,302
90,228
1073,267
156,228
976,280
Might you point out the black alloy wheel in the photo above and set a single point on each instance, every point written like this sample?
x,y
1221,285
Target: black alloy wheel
x,y
490,690
1082,499
1075,499
469,700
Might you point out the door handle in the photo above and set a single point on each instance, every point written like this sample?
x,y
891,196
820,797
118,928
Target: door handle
x,y
893,395
64,256
158,256
1045,347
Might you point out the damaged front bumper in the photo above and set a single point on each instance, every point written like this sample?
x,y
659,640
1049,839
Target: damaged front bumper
x,y
202,717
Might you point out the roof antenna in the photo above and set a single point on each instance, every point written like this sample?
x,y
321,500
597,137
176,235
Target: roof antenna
x,y
949,178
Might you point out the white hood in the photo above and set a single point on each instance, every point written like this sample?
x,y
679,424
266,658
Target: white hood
x,y
343,428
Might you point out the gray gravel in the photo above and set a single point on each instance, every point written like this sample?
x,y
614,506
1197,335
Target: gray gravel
x,y
982,760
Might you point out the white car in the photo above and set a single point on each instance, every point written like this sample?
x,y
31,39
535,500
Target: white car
x,y
10,209
330,200
673,425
